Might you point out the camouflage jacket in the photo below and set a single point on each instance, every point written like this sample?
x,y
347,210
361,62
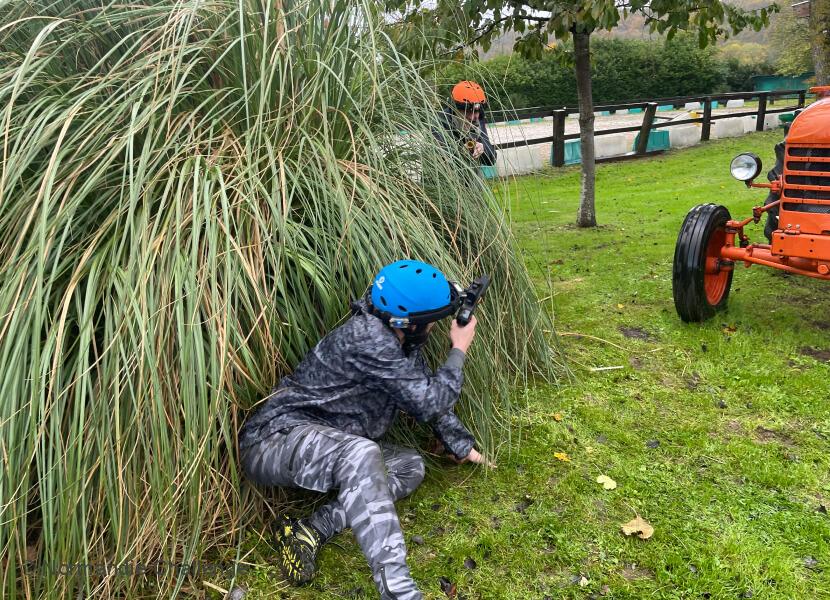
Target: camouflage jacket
x,y
356,379
452,135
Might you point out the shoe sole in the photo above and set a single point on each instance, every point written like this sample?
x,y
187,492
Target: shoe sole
x,y
292,569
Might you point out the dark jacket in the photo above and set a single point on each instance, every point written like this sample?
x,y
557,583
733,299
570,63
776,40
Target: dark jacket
x,y
356,379
453,135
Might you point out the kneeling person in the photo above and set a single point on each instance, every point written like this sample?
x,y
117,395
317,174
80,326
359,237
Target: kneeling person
x,y
318,428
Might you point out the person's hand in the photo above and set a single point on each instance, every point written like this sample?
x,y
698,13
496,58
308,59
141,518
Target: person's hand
x,y
478,150
473,457
462,336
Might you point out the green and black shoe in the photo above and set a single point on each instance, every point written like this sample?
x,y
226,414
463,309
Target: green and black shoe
x,y
298,543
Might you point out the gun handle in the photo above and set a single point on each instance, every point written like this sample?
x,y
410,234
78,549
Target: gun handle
x,y
464,318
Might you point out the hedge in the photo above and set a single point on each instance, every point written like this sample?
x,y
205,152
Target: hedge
x,y
622,70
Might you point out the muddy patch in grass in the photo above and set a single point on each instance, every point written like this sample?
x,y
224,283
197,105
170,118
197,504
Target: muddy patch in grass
x,y
817,353
693,382
735,427
762,434
637,333
635,572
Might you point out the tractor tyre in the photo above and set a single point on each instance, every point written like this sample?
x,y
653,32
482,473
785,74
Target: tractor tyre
x,y
700,279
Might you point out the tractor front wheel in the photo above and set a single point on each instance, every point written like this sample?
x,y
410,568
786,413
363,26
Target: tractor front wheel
x,y
700,277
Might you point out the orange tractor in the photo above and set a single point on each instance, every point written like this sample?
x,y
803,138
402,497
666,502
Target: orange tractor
x,y
711,243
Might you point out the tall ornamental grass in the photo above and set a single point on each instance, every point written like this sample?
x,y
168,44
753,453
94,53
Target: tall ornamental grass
x,y
191,192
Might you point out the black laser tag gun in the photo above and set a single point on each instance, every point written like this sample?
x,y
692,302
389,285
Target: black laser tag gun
x,y
470,298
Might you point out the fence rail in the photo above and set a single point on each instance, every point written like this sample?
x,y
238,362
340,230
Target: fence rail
x,y
649,107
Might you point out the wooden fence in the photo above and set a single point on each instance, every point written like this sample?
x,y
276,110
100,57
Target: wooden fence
x,y
649,107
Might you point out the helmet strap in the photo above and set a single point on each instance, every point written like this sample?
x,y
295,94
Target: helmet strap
x,y
412,340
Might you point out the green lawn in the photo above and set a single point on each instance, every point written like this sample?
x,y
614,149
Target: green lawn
x,y
718,434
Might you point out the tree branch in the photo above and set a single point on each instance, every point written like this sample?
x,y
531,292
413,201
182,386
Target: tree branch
x,y
493,25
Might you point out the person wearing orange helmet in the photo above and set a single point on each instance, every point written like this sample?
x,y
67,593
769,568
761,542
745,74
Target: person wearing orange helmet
x,y
465,123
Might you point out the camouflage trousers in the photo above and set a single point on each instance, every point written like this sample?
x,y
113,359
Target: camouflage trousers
x,y
369,477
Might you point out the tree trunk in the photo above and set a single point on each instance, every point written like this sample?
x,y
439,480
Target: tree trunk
x,y
586,214
820,39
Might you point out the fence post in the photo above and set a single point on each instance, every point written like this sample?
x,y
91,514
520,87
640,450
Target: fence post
x,y
706,126
802,98
762,111
645,129
558,152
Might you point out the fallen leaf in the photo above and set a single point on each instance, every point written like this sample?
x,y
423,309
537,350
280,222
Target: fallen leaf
x,y
561,456
583,581
621,306
640,526
607,482
730,329
589,450
557,417
469,563
604,590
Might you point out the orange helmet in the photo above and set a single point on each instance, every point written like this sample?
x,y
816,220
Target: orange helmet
x,y
821,91
468,92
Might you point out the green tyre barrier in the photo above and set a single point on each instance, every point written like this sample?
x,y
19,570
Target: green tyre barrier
x,y
657,140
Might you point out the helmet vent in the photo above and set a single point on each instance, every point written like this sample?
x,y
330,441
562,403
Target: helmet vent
x,y
382,299
403,308
434,275
403,266
418,270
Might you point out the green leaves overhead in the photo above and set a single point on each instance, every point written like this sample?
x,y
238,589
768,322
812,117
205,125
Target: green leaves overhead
x,y
476,22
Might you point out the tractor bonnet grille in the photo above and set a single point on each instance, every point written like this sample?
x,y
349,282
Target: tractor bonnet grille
x,y
808,166
808,194
807,177
818,209
811,152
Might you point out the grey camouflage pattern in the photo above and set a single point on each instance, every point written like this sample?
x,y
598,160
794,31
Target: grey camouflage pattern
x,y
369,477
316,430
356,379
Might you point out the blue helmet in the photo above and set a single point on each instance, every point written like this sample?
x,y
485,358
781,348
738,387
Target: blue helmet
x,y
412,292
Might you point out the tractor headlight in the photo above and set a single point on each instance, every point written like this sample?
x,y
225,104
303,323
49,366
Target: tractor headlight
x,y
745,167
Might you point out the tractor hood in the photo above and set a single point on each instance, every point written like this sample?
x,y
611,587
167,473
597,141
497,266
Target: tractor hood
x,y
812,125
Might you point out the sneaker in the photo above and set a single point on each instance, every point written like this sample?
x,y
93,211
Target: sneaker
x,y
297,544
